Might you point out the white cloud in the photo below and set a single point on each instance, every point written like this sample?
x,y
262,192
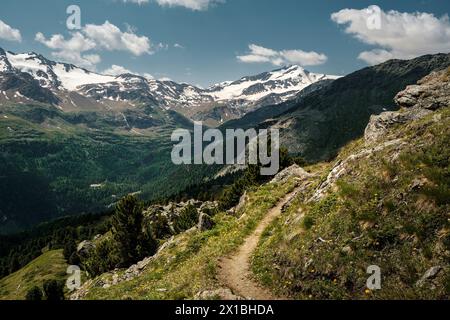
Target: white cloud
x,y
148,76
139,2
162,46
95,37
304,58
196,5
110,37
178,46
259,54
71,50
395,34
116,70
9,33
78,42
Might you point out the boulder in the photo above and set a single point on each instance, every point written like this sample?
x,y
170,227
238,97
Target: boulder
x,y
242,201
217,294
85,248
292,171
429,274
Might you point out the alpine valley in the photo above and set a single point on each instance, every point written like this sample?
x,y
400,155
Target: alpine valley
x,y
86,179
74,141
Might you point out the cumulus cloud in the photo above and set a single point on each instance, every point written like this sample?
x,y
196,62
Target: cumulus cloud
x,y
116,70
9,33
148,76
72,49
139,2
95,37
110,37
196,5
395,34
259,54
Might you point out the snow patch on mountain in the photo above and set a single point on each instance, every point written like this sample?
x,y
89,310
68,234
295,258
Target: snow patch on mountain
x,y
286,81
245,94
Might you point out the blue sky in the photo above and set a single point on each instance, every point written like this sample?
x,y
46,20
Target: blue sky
x,y
211,39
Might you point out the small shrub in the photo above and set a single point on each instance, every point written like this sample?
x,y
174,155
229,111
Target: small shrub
x,y
34,294
54,290
187,219
308,222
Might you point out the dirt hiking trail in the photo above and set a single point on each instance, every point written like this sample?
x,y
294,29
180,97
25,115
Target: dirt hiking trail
x,y
235,270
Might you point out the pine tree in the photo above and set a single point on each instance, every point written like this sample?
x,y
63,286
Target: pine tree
x,y
133,240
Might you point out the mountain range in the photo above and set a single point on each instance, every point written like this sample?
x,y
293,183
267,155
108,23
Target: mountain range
x,y
72,88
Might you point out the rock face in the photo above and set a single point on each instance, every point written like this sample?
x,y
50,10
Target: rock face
x,y
378,124
430,93
416,101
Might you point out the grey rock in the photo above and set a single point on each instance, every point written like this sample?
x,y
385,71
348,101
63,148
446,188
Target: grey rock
x,y
292,171
429,274
85,248
242,201
221,294
379,124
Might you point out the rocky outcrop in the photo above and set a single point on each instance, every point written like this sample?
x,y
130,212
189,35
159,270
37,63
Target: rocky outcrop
x,y
379,124
416,101
342,167
117,276
242,201
170,212
292,171
430,93
85,248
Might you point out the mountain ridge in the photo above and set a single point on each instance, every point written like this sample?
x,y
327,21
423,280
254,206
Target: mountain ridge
x,y
238,97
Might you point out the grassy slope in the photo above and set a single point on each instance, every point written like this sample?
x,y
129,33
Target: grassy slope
x,y
190,264
50,265
322,250
377,215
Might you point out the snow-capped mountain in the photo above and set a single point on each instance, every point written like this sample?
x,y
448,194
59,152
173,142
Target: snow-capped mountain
x,y
284,84
58,80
